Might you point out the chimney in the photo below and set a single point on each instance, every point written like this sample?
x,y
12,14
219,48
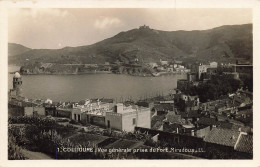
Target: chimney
x,y
232,137
119,107
192,133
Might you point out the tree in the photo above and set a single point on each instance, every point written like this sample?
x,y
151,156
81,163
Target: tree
x,y
217,86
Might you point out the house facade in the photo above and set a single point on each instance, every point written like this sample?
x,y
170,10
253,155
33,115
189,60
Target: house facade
x,y
34,111
127,118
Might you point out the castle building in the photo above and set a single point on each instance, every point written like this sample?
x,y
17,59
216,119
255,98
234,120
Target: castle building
x,y
144,27
203,68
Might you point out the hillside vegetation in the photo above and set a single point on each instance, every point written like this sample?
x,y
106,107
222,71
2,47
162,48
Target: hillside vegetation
x,y
225,43
15,49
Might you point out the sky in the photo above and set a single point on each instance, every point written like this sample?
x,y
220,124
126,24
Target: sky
x,y
52,28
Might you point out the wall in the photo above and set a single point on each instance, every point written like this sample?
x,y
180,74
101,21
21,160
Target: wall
x,y
213,64
97,120
12,92
63,113
39,110
14,111
115,120
243,69
201,133
234,75
84,119
77,113
191,77
34,111
50,111
127,121
124,121
202,69
28,111
145,104
144,118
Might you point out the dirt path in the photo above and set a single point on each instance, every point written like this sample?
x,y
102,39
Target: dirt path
x,y
34,155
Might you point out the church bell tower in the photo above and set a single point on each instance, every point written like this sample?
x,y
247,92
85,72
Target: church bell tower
x,y
17,84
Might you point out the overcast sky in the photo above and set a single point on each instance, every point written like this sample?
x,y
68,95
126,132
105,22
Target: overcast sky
x,y
57,28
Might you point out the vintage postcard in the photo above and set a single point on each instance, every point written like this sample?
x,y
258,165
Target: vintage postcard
x,y
129,83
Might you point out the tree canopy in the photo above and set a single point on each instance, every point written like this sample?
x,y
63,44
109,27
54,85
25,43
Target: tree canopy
x,y
214,88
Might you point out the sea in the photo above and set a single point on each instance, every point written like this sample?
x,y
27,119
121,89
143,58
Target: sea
x,y
80,87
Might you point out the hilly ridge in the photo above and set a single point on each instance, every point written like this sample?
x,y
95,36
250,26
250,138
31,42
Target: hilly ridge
x,y
225,43
15,49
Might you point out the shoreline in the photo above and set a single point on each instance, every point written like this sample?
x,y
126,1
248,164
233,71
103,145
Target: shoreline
x,y
168,73
86,73
155,74
159,74
59,74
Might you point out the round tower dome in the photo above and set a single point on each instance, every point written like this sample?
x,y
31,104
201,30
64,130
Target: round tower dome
x,y
17,75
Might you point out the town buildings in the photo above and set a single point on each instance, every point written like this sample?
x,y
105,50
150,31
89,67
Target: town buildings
x,y
119,117
91,111
184,120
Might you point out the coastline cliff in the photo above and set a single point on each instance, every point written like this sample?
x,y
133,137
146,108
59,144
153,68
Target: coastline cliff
x,y
63,69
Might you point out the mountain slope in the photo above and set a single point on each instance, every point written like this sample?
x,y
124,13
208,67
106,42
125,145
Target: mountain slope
x,y
15,49
224,43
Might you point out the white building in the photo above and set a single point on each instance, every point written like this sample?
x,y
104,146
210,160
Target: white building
x,y
127,118
213,64
152,65
93,106
163,62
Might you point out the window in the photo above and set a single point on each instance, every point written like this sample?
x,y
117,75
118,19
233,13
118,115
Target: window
x,y
134,121
35,113
108,123
176,139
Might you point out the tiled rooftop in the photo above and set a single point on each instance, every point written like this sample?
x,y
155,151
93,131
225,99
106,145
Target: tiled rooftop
x,y
207,121
245,144
222,136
